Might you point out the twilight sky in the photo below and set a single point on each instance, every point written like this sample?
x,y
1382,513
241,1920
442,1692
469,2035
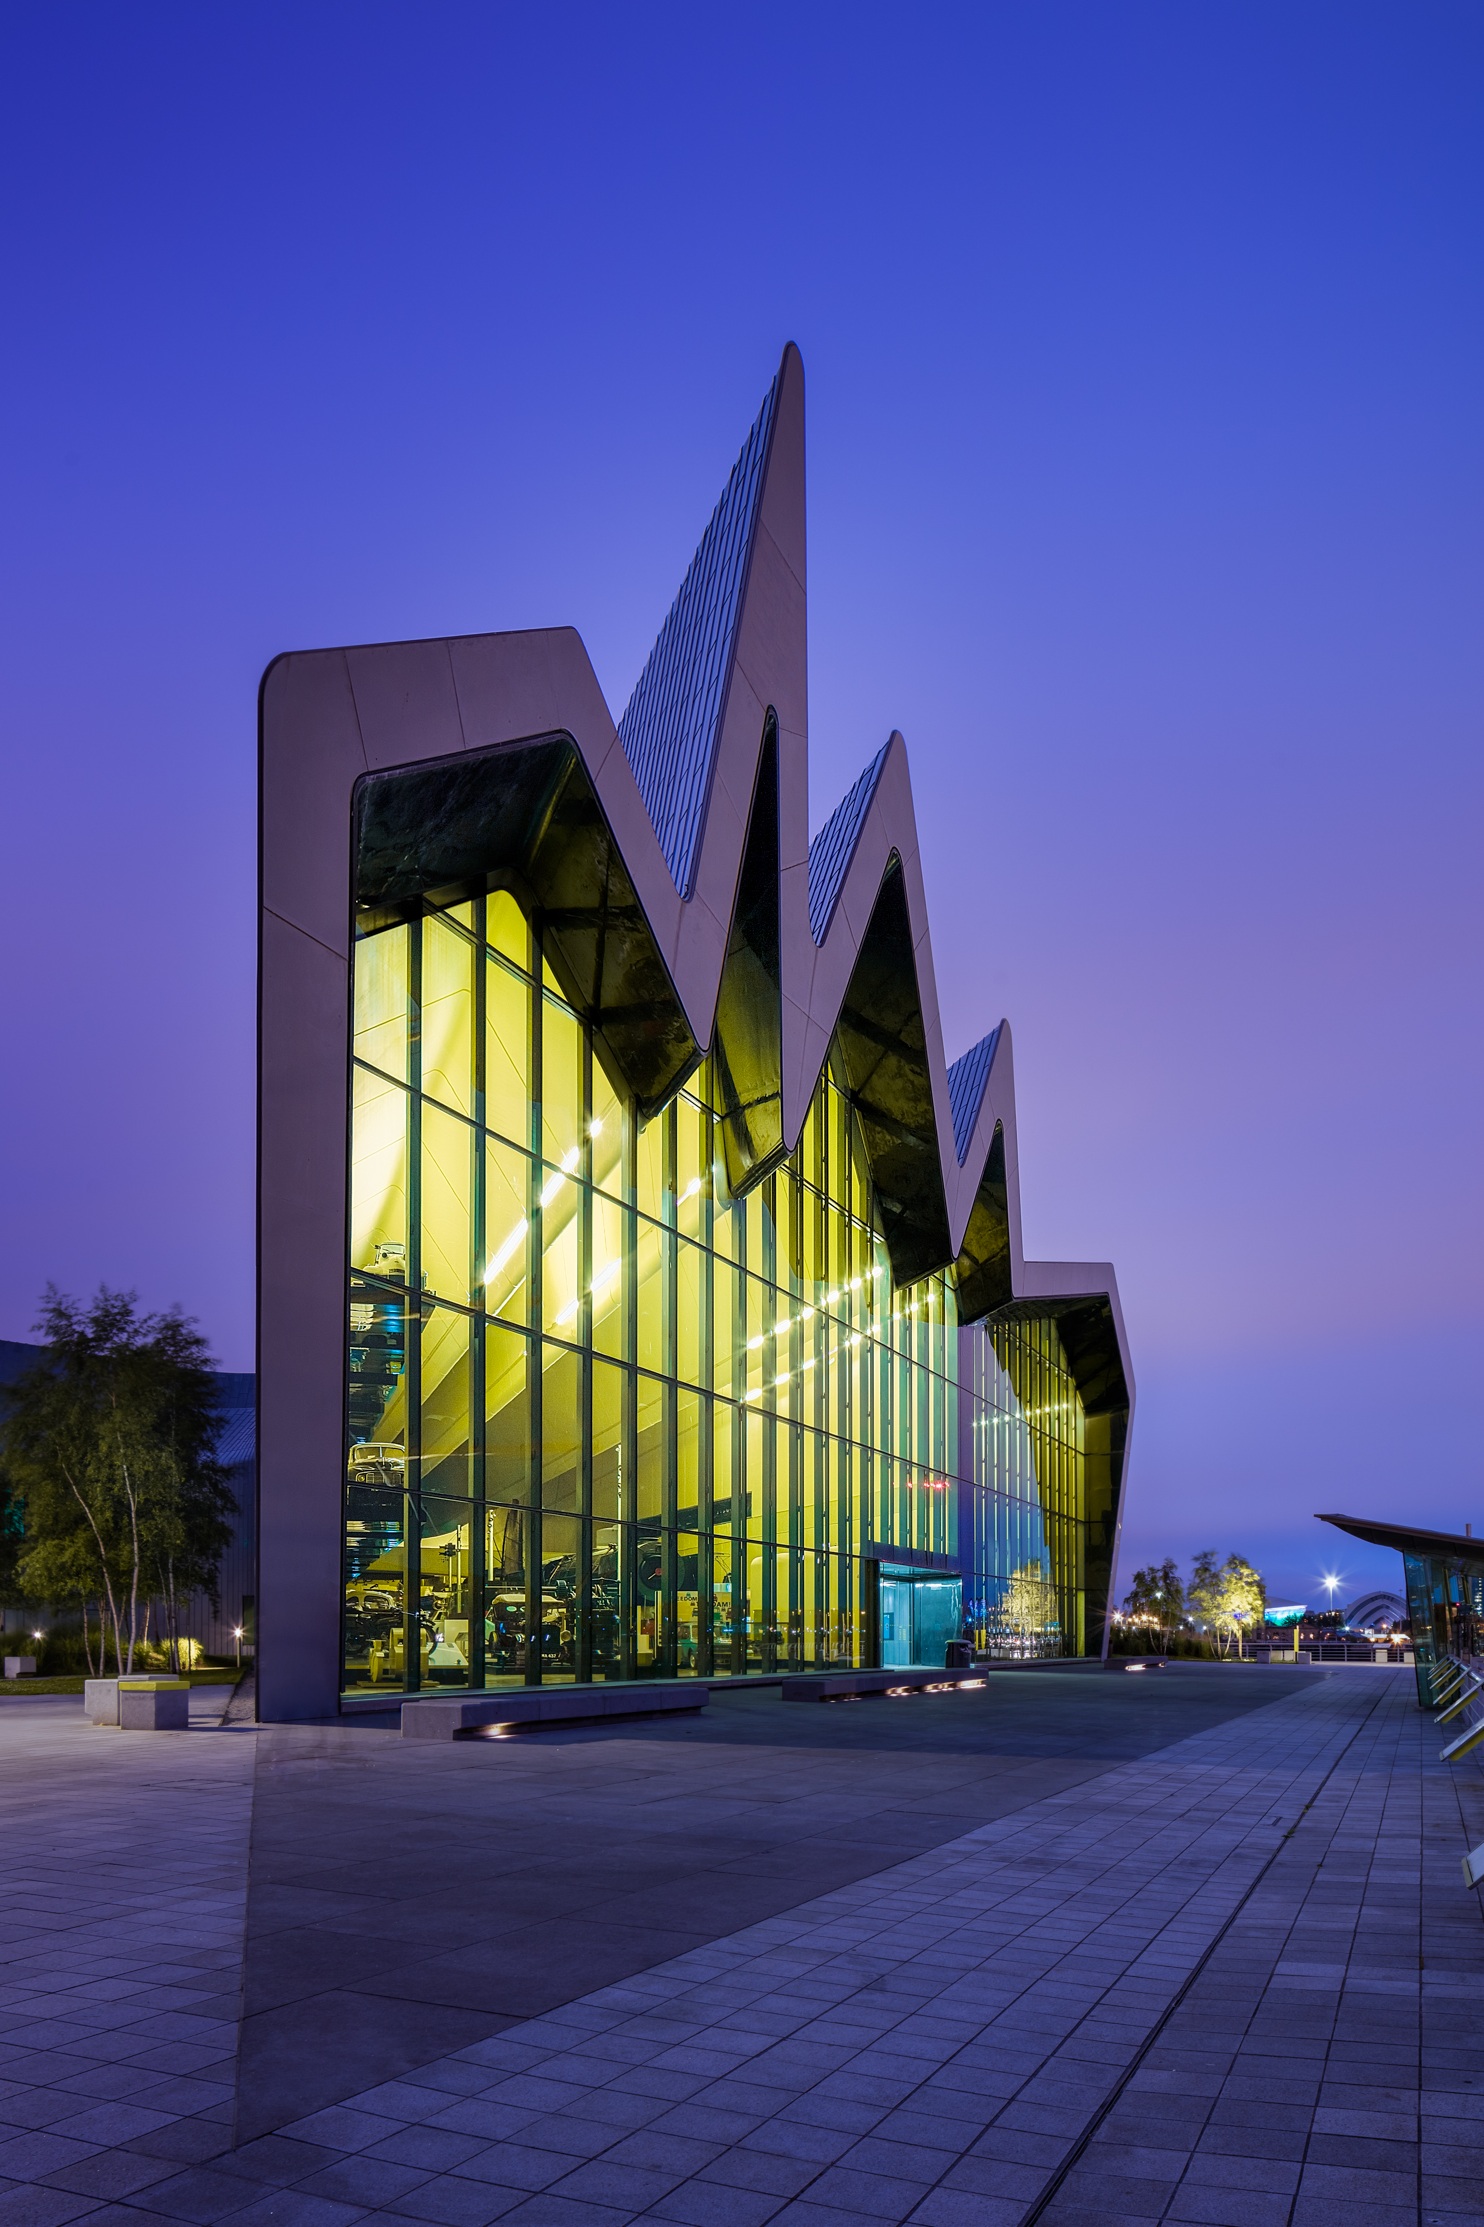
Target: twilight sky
x,y
1144,359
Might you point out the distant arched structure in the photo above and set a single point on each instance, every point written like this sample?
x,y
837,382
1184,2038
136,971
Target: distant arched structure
x,y
1374,1609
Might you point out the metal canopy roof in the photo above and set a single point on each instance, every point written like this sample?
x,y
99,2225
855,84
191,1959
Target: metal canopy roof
x,y
1407,1539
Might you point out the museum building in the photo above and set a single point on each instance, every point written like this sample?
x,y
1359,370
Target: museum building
x,y
641,1294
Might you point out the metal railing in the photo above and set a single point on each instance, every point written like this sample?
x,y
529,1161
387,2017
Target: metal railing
x,y
1458,1688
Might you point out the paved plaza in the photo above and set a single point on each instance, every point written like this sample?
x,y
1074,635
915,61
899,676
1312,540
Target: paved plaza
x,y
1188,1946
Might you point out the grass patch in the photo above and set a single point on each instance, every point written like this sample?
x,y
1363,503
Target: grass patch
x,y
221,1675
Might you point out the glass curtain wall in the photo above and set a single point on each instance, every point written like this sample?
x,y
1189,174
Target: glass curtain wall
x,y
1025,1508
604,1421
1445,1606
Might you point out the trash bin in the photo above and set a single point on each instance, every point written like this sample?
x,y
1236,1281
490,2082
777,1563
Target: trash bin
x,y
958,1655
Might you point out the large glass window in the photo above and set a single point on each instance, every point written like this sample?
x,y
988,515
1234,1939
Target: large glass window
x,y
1025,1528
605,1421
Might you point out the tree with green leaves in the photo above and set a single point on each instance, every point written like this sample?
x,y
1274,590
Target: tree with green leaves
x,y
1156,1598
1228,1598
109,1441
12,1541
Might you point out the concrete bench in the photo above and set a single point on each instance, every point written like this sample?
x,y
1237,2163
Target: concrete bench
x,y
154,1705
844,1685
139,1704
451,1716
20,1666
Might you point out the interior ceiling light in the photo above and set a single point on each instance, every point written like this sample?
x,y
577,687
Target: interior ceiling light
x,y
555,1181
507,1251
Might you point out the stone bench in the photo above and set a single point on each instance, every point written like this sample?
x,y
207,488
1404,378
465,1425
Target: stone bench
x,y
20,1666
452,1716
138,1704
845,1685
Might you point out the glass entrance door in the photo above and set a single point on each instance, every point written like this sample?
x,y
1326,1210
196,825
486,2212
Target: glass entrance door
x,y
919,1616
896,1624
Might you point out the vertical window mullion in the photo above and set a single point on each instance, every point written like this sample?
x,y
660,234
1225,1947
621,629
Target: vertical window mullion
x,y
629,1457
412,1538
533,1286
706,1447
479,1244
582,1660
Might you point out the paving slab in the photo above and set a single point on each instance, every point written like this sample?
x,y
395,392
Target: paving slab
x,y
1056,1951
1178,1913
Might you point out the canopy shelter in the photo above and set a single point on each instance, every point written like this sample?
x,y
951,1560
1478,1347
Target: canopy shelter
x,y
1444,1586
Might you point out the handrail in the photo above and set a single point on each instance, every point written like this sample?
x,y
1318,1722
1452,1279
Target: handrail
x,y
1462,1695
1469,1738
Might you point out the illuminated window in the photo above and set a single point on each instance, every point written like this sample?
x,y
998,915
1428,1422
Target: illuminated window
x,y
605,1421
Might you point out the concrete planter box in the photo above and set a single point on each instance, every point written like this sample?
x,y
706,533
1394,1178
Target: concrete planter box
x,y
154,1705
100,1700
20,1666
138,1704
445,1719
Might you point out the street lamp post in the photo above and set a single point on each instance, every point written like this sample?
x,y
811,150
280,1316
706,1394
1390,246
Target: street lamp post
x,y
237,1635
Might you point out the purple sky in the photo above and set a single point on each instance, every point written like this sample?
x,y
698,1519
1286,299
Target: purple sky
x,y
1144,360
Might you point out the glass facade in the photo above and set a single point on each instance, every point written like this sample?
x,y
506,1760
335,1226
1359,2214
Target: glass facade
x,y
1445,1606
1025,1518
604,1420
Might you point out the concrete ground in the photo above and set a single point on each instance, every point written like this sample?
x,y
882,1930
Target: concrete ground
x,y
1191,1945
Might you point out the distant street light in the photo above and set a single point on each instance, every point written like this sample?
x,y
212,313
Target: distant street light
x,y
237,1635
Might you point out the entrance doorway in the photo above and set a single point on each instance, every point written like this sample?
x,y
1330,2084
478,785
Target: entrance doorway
x,y
920,1615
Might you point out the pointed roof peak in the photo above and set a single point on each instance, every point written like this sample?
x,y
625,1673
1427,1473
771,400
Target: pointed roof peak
x,y
672,723
833,847
967,1078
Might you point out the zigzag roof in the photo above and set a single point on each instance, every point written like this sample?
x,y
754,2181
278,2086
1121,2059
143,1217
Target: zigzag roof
x,y
681,906
685,907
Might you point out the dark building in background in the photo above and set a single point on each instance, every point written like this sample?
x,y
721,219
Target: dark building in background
x,y
641,1293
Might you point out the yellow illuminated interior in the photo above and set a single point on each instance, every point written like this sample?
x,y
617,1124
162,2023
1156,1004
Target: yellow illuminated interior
x,y
636,1427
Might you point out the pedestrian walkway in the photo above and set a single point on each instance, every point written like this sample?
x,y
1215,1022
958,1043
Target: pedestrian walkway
x,y
1231,1982
123,1884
